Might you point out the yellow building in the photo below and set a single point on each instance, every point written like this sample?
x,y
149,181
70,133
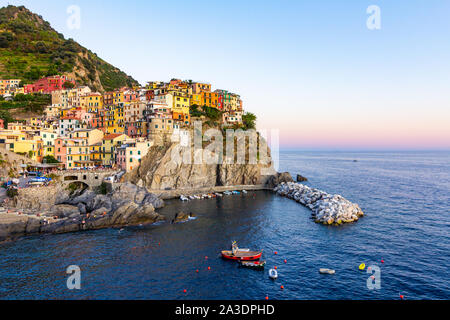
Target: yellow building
x,y
109,143
196,99
91,100
29,148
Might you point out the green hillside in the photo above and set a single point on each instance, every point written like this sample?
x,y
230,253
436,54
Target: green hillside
x,y
31,49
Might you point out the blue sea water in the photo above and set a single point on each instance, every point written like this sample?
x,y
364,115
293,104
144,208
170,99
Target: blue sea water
x,y
405,195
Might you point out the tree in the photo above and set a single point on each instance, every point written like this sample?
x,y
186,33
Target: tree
x,y
249,120
68,85
50,159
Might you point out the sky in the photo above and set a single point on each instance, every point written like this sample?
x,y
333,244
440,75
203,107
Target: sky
x,y
312,70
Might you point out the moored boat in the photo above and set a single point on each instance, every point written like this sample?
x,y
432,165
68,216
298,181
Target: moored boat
x,y
253,264
241,255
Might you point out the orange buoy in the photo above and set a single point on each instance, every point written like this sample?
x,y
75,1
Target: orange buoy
x,y
402,296
285,261
267,297
282,287
197,271
382,261
185,291
276,252
275,267
209,268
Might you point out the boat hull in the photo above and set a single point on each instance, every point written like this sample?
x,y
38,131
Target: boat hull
x,y
242,256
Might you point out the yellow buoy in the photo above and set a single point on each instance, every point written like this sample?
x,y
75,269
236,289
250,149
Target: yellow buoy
x,y
362,266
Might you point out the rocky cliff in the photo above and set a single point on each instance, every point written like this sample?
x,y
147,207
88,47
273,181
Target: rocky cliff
x,y
167,167
61,211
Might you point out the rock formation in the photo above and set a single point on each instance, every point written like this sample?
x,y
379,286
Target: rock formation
x,y
327,209
165,167
62,211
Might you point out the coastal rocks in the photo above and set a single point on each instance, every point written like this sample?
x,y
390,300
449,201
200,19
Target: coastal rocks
x,y
58,211
65,211
182,217
139,195
326,209
41,198
171,167
278,178
301,178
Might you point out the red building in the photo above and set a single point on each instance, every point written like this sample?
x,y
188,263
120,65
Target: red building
x,y
2,124
49,84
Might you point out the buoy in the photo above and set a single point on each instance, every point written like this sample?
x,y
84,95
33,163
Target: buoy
x,y
372,277
197,271
276,252
206,258
402,297
267,297
209,268
382,261
282,287
185,291
369,268
159,243
285,261
362,266
275,267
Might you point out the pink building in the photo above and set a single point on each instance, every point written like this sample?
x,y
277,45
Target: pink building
x,y
49,84
61,151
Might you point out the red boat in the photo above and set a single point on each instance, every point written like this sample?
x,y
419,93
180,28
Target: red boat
x,y
241,255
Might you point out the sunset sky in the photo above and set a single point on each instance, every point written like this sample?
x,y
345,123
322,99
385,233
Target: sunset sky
x,y
311,69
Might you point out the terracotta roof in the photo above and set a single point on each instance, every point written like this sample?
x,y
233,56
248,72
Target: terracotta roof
x,y
112,136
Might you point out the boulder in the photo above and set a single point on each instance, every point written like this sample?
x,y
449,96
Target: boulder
x,y
182,217
301,178
65,210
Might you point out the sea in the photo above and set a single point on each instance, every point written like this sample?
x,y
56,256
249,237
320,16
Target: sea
x,y
403,239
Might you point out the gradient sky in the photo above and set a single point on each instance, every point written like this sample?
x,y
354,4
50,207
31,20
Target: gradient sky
x,y
311,69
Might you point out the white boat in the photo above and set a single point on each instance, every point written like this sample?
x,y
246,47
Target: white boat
x,y
227,193
197,197
244,191
273,274
183,198
219,194
192,197
327,271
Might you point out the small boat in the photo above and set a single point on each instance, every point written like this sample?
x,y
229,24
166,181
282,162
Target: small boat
x,y
236,192
197,197
192,197
205,196
253,264
244,191
241,255
183,198
219,195
227,193
273,274
327,271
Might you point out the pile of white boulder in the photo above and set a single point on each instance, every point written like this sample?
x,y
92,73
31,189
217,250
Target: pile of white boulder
x,y
327,209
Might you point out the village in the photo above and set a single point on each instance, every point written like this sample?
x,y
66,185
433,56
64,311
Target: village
x,y
83,129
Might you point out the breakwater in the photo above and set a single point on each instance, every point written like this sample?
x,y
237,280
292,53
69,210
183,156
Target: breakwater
x,y
326,209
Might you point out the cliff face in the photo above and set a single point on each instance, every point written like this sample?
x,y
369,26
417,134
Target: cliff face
x,y
162,169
